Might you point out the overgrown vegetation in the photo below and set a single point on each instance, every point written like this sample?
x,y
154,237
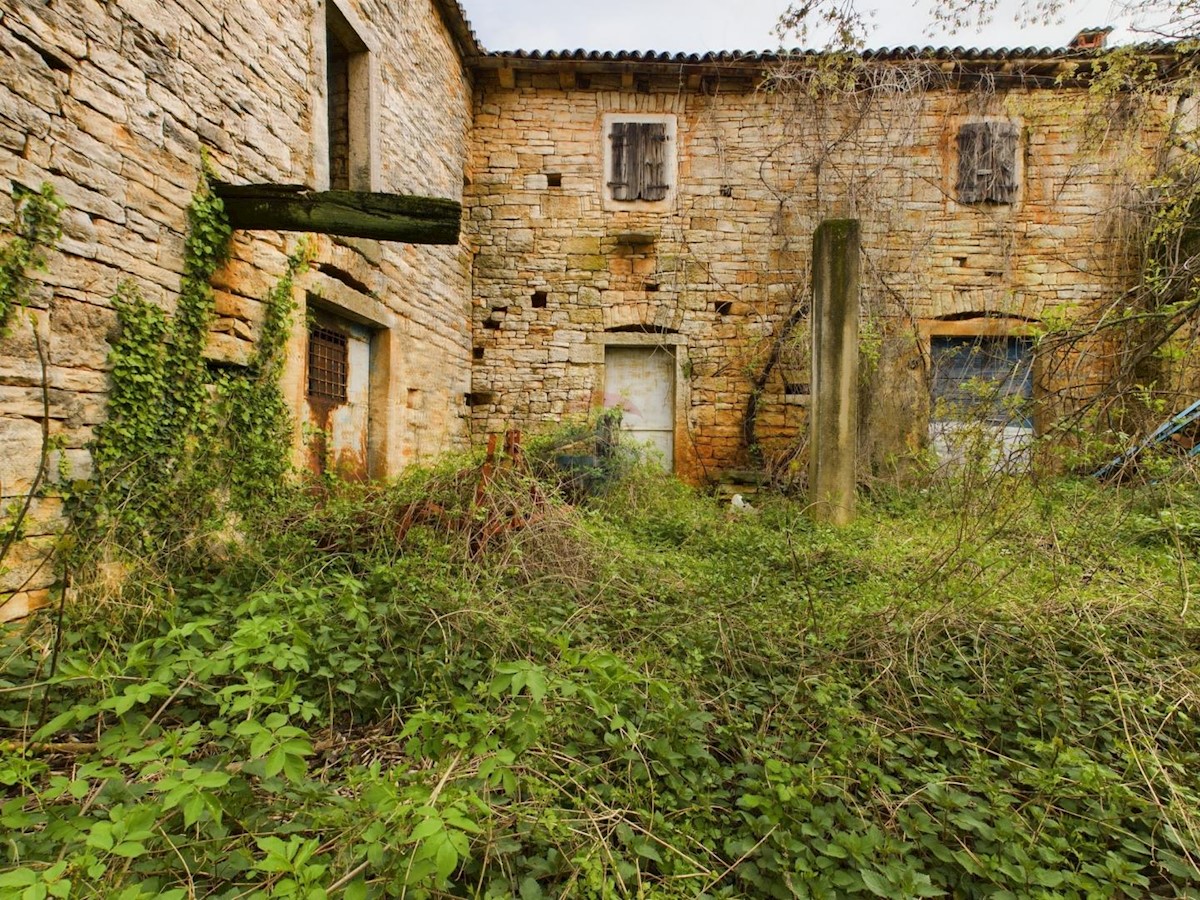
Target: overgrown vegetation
x,y
186,445
989,690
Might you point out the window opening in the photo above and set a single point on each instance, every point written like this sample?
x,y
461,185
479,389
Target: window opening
x,y
328,357
988,379
987,162
347,75
638,170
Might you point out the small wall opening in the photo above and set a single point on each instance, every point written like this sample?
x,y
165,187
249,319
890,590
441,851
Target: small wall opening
x,y
553,179
538,300
723,307
347,86
479,398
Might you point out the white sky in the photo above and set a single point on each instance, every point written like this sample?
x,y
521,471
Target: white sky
x,y
697,25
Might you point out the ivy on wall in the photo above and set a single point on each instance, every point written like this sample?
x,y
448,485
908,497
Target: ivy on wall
x,y
187,444
35,229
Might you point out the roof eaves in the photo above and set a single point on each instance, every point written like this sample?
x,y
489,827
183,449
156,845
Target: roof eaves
x,y
648,58
460,27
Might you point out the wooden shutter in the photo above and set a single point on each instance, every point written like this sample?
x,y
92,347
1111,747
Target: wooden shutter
x,y
653,140
987,162
974,163
1005,141
619,176
639,161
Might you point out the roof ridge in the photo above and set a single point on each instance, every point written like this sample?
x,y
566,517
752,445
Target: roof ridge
x,y
911,51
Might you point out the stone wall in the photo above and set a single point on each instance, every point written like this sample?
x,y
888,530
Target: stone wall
x,y
111,102
725,263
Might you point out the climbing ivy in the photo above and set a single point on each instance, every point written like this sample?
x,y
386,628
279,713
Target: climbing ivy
x,y
35,228
185,443
254,419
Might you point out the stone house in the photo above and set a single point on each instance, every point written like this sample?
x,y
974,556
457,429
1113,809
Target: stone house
x,y
989,191
111,103
636,227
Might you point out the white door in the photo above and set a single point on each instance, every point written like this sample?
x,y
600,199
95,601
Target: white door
x,y
641,381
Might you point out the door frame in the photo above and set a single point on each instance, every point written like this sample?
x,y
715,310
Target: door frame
x,y
684,465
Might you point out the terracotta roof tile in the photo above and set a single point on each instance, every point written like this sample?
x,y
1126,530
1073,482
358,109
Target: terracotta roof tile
x,y
772,56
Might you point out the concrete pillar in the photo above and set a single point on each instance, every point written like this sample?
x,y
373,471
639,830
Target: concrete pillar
x,y
833,419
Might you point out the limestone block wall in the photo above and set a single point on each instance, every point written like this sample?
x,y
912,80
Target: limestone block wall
x,y
111,102
726,262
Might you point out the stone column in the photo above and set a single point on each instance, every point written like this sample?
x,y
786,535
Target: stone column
x,y
833,419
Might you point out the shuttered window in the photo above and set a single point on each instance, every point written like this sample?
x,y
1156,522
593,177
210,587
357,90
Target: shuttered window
x,y
987,162
638,161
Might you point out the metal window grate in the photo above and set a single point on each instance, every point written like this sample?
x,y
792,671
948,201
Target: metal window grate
x,y
327,358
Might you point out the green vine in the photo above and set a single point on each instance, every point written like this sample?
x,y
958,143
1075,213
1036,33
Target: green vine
x,y
35,228
185,443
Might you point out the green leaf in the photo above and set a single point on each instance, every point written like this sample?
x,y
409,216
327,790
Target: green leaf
x,y
18,878
646,849
536,685
427,828
877,884
100,836
530,889
446,860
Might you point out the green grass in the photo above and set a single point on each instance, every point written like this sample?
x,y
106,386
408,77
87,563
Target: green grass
x,y
988,689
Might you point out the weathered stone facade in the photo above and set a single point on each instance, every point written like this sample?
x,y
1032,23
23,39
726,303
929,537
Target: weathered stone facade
x,y
726,262
111,104
697,267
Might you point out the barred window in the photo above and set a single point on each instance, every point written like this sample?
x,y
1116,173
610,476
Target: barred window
x,y
327,364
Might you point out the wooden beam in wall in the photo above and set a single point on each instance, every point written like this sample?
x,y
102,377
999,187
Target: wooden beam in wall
x,y
361,214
